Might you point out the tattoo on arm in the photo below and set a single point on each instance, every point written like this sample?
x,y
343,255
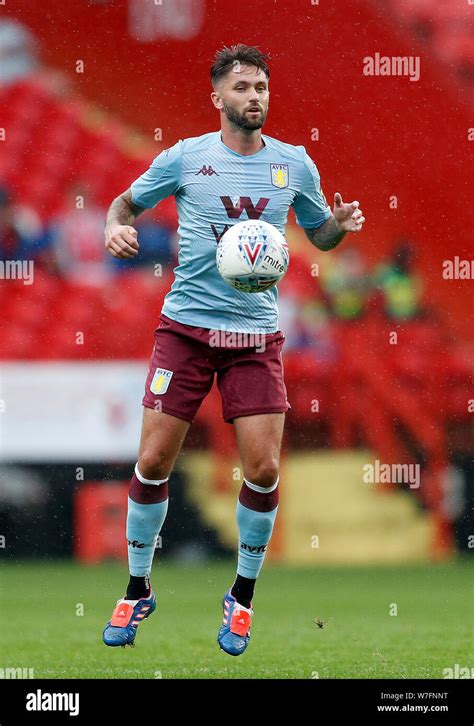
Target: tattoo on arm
x,y
327,236
123,210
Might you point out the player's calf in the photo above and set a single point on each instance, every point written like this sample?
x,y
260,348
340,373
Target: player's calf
x,y
256,512
147,508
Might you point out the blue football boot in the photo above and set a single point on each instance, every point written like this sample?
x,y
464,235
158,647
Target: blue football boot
x,y
234,634
127,616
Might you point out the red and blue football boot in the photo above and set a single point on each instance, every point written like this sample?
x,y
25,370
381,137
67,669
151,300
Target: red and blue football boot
x,y
127,616
234,633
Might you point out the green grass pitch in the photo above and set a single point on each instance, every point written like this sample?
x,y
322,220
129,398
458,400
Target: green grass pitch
x,y
431,631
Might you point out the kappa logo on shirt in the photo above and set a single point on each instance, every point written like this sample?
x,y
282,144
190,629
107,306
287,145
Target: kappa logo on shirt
x,y
207,171
161,381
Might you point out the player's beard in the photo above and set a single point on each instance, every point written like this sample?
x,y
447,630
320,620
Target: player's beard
x,y
243,120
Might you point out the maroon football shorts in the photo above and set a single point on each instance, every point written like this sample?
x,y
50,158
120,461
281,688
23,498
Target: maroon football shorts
x,y
185,358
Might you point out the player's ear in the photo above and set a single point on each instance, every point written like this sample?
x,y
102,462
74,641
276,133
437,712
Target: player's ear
x,y
216,100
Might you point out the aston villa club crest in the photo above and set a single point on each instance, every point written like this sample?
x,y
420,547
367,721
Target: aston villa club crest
x,y
161,381
280,175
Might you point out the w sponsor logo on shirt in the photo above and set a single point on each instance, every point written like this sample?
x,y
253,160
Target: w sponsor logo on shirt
x,y
234,209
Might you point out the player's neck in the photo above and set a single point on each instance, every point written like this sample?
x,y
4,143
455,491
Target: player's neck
x,y
242,143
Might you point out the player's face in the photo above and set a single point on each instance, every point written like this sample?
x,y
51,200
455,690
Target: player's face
x,y
244,96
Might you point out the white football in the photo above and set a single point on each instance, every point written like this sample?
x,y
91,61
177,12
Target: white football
x,y
252,256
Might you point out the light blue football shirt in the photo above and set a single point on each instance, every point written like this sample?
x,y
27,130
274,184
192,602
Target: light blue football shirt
x,y
215,188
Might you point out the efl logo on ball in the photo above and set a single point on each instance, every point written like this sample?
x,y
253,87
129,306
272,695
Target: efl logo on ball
x,y
252,256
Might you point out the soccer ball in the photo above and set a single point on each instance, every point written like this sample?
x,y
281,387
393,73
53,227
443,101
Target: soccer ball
x,y
252,256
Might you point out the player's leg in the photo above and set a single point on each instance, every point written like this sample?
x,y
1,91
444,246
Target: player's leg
x,y
259,442
161,440
180,375
254,399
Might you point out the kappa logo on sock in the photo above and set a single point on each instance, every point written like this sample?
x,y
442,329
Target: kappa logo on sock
x,y
136,543
250,548
161,381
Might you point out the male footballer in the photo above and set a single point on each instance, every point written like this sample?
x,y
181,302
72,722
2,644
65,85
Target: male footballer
x,y
217,179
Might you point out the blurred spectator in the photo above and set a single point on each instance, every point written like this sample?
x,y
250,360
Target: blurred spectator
x,y
17,52
298,290
400,285
345,282
304,317
21,234
156,246
291,323
77,238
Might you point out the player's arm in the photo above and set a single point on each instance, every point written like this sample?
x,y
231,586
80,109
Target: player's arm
x,y
161,180
345,218
120,235
323,228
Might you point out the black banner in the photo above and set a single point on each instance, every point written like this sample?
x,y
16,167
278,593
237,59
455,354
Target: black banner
x,y
318,701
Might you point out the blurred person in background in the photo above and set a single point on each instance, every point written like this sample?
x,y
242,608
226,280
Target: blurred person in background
x,y
76,235
17,52
304,314
400,285
345,283
21,234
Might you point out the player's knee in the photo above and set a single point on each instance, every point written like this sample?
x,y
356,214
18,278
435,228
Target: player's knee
x,y
264,473
154,465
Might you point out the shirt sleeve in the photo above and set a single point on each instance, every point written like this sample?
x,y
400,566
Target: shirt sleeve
x,y
161,180
310,204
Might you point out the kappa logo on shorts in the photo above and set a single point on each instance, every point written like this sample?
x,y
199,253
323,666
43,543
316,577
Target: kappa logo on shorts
x,y
161,381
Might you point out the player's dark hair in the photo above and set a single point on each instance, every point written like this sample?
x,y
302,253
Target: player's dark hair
x,y
226,58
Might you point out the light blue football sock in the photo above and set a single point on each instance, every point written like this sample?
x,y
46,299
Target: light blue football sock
x,y
144,523
255,530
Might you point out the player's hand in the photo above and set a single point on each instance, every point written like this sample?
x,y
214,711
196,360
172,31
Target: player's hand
x,y
121,241
348,216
